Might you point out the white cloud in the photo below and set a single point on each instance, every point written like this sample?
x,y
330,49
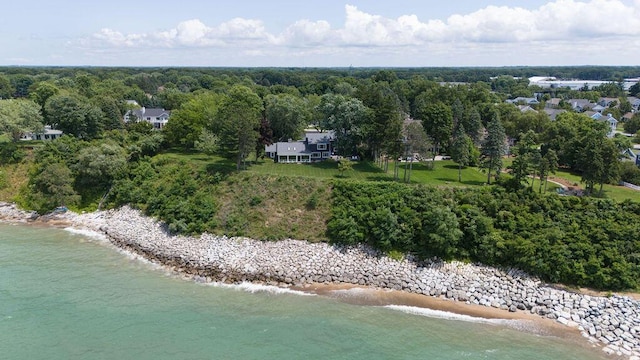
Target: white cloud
x,y
490,30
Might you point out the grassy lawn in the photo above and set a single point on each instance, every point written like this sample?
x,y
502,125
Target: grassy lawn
x,y
618,193
362,170
446,173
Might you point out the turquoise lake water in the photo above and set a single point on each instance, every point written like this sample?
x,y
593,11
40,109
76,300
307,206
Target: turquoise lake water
x,y
69,296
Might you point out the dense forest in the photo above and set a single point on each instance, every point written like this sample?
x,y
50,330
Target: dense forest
x,y
188,173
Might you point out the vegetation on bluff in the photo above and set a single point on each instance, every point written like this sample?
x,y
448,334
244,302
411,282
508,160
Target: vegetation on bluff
x,y
204,171
573,240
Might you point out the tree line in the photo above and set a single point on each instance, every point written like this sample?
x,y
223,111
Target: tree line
x,y
573,240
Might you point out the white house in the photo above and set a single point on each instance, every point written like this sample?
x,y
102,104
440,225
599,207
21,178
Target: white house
x,y
316,146
157,117
611,121
47,134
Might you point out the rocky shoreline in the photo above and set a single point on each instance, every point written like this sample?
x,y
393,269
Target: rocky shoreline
x,y
612,322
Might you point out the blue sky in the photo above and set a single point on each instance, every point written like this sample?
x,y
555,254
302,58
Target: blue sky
x,y
323,33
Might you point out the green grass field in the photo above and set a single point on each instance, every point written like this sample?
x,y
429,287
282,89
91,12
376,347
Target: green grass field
x,y
618,193
362,170
445,173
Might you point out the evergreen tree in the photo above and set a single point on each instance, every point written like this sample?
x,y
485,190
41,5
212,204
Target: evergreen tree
x,y
548,165
473,124
460,150
525,160
237,123
494,147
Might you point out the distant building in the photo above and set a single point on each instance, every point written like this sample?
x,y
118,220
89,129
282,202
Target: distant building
x,y
316,146
609,119
47,134
553,113
157,117
552,82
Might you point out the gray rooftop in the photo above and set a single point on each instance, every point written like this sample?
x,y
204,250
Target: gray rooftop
x,y
291,148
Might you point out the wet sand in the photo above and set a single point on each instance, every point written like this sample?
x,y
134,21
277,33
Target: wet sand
x,y
520,320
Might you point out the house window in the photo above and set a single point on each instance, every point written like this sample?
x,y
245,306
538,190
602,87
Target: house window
x,y
272,155
315,155
325,154
322,146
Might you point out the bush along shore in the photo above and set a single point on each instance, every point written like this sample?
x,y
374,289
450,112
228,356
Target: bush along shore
x,y
612,322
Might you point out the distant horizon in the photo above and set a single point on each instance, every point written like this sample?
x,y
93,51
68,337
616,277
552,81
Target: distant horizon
x,y
317,67
322,34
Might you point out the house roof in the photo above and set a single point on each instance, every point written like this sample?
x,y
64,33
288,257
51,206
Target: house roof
x,y
580,102
319,137
150,112
554,101
526,100
525,108
554,112
291,148
600,116
607,99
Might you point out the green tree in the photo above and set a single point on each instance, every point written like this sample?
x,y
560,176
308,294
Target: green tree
x,y
460,149
437,120
548,165
632,125
625,106
634,90
6,90
207,143
526,152
383,132
112,117
18,117
237,122
598,160
21,84
51,186
100,165
472,123
287,116
171,99
74,115
417,143
346,117
493,148
440,232
187,123
42,91
344,165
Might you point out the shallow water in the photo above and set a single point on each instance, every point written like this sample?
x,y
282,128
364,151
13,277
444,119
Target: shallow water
x,y
67,295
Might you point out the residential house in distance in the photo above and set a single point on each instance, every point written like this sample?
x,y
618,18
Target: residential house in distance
x,y
553,113
316,146
607,101
524,101
552,103
47,134
611,121
157,117
581,105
